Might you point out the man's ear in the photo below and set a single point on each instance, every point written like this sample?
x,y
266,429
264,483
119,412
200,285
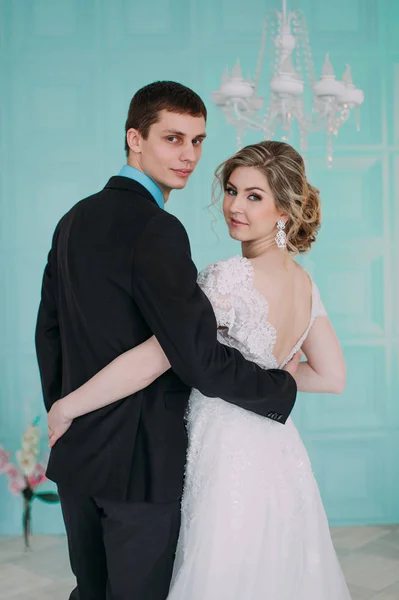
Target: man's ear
x,y
133,138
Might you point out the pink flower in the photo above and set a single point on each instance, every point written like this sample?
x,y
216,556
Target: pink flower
x,y
16,481
37,477
4,462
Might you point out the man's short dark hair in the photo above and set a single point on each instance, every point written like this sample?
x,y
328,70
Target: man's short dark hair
x,y
161,95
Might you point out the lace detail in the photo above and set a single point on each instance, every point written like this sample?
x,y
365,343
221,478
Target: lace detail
x,y
241,311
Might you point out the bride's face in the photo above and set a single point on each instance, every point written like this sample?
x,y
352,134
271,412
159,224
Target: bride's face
x,y
249,207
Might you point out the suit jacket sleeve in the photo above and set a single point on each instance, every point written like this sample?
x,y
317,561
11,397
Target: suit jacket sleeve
x,y
164,285
47,335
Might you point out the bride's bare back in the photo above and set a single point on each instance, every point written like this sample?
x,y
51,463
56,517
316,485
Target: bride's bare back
x,y
287,288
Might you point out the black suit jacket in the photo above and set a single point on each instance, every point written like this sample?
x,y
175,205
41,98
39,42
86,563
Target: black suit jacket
x,y
119,271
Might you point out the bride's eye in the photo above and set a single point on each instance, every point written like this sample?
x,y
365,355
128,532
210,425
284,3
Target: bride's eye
x,y
254,197
231,192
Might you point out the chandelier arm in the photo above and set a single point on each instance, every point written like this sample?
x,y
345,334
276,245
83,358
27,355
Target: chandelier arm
x,y
256,124
261,52
235,118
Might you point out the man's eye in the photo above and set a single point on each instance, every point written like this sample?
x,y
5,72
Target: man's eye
x,y
197,142
172,138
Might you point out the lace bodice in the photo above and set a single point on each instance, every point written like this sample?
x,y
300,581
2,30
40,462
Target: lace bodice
x,y
242,312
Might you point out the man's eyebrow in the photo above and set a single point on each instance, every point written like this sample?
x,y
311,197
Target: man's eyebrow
x,y
176,132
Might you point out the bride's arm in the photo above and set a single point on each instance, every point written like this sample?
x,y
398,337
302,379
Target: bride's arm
x,y
127,374
324,370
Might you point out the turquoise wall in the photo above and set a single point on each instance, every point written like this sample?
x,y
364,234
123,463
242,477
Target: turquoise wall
x,y
68,71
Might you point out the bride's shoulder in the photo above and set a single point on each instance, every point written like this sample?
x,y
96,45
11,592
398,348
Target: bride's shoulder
x,y
228,272
318,308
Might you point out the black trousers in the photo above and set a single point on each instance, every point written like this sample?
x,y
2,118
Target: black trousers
x,y
120,550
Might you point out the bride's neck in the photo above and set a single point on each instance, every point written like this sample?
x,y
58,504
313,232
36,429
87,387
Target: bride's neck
x,y
256,248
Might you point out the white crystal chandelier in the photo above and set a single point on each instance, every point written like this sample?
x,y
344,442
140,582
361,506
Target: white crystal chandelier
x,y
333,100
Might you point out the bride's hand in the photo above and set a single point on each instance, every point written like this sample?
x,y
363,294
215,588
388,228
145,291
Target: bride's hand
x,y
292,366
58,422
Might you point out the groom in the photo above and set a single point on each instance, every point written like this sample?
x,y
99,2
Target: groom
x,y
119,271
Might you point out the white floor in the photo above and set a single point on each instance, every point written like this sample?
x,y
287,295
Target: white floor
x,y
369,557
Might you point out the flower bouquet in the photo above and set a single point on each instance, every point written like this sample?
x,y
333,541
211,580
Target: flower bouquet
x,y
27,478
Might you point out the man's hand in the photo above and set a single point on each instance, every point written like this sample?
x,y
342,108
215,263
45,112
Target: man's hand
x,y
58,422
292,366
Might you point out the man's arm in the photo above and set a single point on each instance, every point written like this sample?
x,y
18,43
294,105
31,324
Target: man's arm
x,y
47,336
164,285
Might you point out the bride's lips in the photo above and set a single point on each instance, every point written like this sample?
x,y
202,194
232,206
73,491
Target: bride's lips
x,y
183,172
235,223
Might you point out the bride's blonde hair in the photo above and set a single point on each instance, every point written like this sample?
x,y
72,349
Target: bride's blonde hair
x,y
284,169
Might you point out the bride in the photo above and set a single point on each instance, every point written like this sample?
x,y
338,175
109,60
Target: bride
x,y
253,524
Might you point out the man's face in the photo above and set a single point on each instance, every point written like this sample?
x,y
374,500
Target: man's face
x,y
171,151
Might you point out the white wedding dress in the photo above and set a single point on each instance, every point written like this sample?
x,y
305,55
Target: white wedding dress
x,y
253,524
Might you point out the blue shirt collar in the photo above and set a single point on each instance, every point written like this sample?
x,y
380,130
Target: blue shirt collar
x,y
145,181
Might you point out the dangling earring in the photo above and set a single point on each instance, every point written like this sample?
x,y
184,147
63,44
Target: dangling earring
x,y
281,238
